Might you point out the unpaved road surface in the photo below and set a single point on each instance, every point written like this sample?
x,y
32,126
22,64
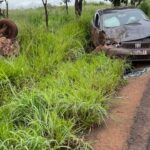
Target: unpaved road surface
x,y
139,138
129,125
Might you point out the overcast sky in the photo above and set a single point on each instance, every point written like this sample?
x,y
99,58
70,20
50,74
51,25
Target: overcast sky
x,y
13,4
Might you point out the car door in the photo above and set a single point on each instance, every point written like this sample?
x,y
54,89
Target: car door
x,y
98,36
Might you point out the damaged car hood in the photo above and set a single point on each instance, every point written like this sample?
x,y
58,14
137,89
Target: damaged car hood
x,y
129,32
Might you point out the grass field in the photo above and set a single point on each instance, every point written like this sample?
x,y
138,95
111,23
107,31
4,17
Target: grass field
x,y
53,92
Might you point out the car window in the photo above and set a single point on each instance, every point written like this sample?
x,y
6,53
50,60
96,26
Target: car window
x,y
122,17
132,19
111,22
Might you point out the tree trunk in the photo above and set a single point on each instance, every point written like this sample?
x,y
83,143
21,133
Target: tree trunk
x,y
126,2
46,12
133,2
116,3
78,7
7,15
46,15
66,2
139,2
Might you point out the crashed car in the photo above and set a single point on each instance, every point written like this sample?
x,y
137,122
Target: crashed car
x,y
123,32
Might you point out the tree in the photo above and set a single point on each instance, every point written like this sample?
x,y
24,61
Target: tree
x,y
78,7
133,2
116,2
136,2
46,11
6,8
139,2
66,4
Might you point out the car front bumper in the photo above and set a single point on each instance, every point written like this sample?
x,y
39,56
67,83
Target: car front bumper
x,y
141,54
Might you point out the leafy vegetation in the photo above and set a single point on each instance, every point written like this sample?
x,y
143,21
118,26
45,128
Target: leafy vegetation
x,y
53,91
145,6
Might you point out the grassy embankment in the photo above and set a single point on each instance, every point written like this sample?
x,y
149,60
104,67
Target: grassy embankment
x,y
54,91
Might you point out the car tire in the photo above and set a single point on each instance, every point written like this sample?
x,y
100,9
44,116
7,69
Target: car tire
x,y
11,30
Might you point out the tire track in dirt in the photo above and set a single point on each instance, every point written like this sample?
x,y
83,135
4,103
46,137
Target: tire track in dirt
x,y
140,132
115,134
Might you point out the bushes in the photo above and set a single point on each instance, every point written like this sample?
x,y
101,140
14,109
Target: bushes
x,y
145,6
53,92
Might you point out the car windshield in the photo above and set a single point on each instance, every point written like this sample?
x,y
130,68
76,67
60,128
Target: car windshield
x,y
122,17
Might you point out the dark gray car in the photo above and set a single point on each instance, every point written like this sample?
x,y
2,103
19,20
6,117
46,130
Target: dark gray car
x,y
122,32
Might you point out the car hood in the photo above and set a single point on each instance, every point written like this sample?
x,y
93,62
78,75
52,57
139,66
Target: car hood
x,y
130,32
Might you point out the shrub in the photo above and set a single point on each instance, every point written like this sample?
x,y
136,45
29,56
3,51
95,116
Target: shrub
x,y
145,6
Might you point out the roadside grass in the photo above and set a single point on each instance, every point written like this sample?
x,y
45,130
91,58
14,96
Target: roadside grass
x,y
53,92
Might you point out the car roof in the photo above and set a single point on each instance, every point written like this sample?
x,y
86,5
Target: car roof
x,y
109,10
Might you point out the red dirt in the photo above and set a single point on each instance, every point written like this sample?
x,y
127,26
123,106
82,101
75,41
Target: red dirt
x,y
139,138
114,135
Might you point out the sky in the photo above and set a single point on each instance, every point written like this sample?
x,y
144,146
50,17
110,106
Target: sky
x,y
14,4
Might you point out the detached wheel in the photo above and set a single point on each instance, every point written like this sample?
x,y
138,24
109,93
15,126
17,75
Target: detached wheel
x,y
8,29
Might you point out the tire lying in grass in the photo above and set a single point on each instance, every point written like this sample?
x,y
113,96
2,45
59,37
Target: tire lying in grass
x,y
8,28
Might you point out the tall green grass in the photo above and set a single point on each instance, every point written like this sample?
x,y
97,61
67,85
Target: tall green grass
x,y
53,92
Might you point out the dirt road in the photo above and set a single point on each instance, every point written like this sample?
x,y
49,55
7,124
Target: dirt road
x,y
129,126
139,138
